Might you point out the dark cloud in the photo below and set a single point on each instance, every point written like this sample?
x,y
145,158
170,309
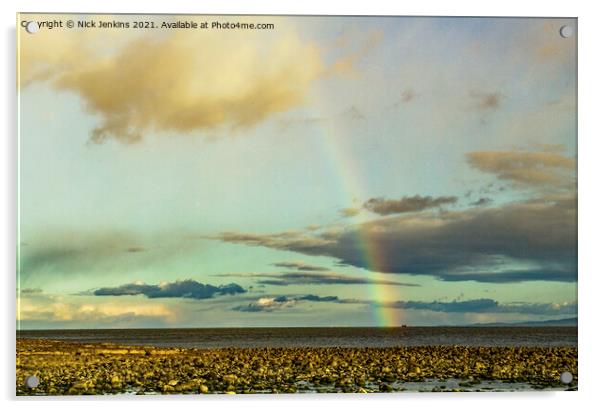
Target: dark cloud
x,y
481,244
481,305
83,253
489,240
79,252
303,243
269,304
301,278
317,298
486,305
483,201
178,289
31,291
550,274
535,239
285,279
407,204
46,258
299,265
253,307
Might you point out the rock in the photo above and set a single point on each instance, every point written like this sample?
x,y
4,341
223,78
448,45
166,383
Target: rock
x,y
231,378
385,387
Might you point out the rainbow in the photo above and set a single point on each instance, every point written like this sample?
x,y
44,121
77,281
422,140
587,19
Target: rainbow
x,y
351,189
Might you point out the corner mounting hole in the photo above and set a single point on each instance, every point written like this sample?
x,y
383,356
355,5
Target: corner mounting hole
x,y
32,27
32,381
566,377
566,31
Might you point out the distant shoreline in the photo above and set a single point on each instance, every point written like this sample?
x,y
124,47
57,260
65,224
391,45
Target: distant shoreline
x,y
319,336
568,322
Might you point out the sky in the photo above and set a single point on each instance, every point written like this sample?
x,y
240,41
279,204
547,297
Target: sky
x,y
331,171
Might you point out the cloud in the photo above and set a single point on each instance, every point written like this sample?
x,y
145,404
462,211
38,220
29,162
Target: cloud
x,y
54,311
178,289
481,201
69,251
349,212
564,308
269,304
77,252
317,298
487,305
525,168
478,305
532,240
299,265
181,81
31,291
487,100
407,204
481,305
509,275
282,240
266,304
301,278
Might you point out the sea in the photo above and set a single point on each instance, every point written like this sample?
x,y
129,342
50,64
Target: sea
x,y
318,336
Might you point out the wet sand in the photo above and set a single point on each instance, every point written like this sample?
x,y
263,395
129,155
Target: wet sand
x,y
67,368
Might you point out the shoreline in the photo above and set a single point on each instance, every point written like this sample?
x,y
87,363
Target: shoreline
x,y
73,368
319,336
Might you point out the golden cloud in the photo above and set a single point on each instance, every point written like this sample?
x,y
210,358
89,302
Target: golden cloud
x,y
536,169
182,82
58,308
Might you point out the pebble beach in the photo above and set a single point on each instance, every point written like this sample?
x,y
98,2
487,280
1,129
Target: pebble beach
x,y
70,368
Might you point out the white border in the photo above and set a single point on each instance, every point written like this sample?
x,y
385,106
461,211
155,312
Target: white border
x,y
589,193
